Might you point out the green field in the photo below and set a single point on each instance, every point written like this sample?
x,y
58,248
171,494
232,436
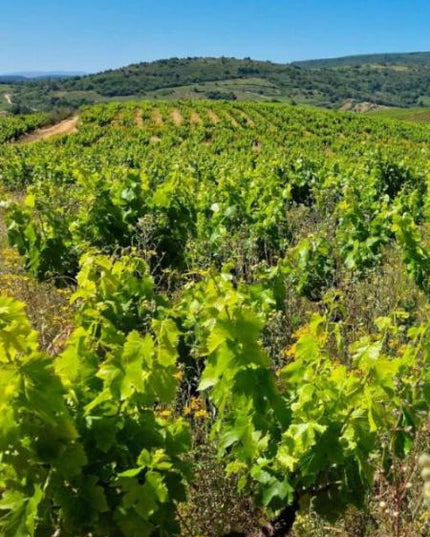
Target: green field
x,y
415,115
214,318
252,89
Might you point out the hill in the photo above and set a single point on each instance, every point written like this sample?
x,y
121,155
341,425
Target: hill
x,y
26,76
406,58
395,80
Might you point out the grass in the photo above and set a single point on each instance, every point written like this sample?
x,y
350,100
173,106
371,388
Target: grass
x,y
78,94
54,325
4,105
252,89
245,89
415,115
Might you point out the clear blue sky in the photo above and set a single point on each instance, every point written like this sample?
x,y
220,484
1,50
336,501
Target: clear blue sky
x,y
91,35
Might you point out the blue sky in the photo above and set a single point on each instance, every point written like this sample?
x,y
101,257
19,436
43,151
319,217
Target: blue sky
x,y
91,35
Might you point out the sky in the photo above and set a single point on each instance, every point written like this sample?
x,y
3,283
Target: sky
x,y
93,35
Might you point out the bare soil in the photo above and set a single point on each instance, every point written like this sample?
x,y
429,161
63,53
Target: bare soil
x,y
231,119
177,117
138,119
156,117
363,107
67,126
213,117
195,119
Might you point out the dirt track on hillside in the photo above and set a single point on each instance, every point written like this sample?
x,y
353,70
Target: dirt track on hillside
x,y
67,126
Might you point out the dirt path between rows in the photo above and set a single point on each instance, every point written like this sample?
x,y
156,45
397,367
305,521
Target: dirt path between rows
x,y
156,117
67,126
176,117
195,119
138,119
213,117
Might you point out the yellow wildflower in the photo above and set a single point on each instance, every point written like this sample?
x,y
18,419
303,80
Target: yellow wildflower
x,y
204,414
178,376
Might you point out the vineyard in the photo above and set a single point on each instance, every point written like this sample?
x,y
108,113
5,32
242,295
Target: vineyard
x,y
14,127
214,320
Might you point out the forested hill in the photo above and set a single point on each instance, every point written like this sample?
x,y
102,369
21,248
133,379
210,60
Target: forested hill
x,y
401,80
411,59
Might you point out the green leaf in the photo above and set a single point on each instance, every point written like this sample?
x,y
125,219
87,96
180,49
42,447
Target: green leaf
x,y
21,513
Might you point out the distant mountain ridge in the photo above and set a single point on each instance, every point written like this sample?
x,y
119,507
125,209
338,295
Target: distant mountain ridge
x,y
29,75
392,58
394,80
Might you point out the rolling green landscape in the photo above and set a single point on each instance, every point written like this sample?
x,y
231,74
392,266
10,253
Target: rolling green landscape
x,y
214,321
391,80
214,274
